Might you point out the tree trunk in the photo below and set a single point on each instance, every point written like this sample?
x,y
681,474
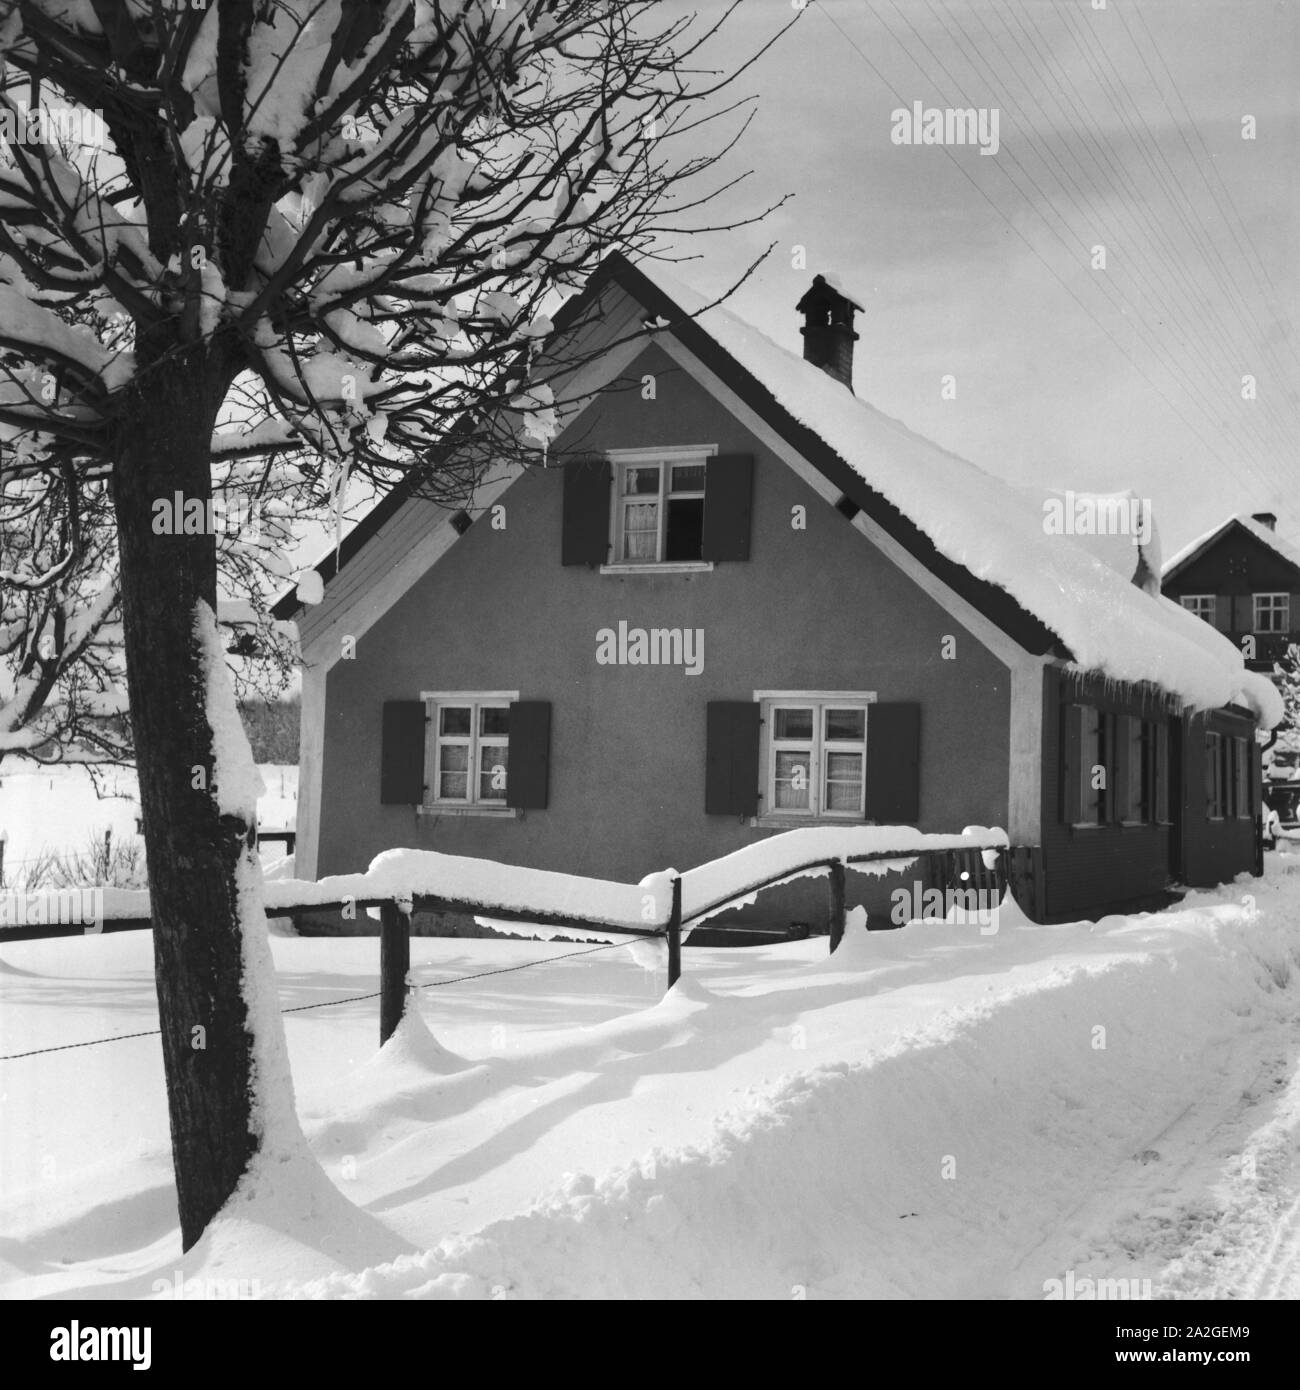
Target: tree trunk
x,y
192,850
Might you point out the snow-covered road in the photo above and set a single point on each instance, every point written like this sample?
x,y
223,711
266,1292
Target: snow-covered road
x,y
932,1112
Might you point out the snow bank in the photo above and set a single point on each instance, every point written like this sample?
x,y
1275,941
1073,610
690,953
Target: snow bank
x,y
780,1124
884,1177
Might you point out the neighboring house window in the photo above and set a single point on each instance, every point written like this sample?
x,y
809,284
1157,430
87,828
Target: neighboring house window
x,y
1272,612
470,737
660,512
1216,776
1202,605
817,758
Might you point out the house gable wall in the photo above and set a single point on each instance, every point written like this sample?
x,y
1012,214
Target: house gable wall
x,y
1235,567
819,608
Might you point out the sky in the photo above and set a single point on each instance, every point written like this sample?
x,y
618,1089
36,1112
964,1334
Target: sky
x,y
1120,127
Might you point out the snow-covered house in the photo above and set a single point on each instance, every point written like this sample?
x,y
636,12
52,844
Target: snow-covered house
x,y
734,598
1242,578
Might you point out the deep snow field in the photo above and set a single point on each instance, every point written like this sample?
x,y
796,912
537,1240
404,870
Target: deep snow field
x,y
86,811
936,1111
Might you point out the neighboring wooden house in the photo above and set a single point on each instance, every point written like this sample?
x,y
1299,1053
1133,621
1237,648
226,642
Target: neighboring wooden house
x,y
1244,580
734,599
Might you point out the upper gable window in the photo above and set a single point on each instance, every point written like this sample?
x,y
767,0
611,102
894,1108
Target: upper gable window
x,y
1272,612
646,509
659,517
1200,604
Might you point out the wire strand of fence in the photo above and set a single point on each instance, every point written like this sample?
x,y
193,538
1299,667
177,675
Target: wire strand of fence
x,y
352,998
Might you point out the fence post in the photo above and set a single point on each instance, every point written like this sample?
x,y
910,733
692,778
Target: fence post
x,y
675,935
394,966
836,886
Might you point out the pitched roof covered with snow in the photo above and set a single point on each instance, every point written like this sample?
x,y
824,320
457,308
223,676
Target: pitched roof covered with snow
x,y
995,530
984,537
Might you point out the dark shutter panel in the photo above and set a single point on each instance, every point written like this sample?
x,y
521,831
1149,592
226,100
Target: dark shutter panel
x,y
731,758
1117,778
528,776
1071,762
728,501
1162,773
585,536
894,764
401,758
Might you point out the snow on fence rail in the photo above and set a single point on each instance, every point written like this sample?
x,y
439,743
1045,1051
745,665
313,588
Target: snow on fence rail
x,y
402,882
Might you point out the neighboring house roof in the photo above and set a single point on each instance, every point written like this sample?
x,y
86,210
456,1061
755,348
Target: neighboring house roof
x,y
1194,549
981,536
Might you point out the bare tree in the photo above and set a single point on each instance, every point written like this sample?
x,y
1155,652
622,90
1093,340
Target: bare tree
x,y
319,240
62,663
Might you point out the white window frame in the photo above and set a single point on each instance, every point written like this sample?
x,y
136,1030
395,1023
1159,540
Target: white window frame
x,y
1272,603
819,701
474,700
665,459
1201,606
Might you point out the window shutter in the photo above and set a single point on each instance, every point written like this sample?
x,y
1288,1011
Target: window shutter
x,y
1071,762
528,777
1118,730
728,502
731,758
585,533
1161,762
1115,760
401,758
894,764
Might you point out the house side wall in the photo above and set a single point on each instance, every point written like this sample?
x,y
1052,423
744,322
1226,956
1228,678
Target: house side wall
x,y
1094,869
1215,851
813,609
1091,869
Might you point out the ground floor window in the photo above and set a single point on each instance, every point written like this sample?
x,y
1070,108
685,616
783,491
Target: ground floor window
x,y
1084,757
817,756
1143,748
1113,767
468,749
1227,777
1135,795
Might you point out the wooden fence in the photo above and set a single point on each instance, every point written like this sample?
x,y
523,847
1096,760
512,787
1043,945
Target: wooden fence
x,y
980,862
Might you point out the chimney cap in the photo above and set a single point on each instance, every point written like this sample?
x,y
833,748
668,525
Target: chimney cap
x,y
1268,519
825,288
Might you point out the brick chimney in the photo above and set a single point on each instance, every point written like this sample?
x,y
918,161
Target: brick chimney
x,y
1268,519
828,335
